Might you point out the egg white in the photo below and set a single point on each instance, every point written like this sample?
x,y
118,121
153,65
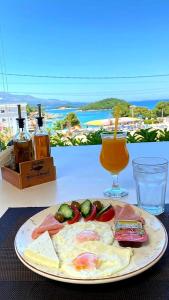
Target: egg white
x,y
65,240
112,260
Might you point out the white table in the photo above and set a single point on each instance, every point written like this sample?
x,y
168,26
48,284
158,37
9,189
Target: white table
x,y
79,175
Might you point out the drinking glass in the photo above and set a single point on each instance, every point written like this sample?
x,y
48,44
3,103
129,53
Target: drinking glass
x,y
150,174
114,158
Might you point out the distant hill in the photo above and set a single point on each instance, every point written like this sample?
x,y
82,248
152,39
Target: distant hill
x,y
108,103
56,103
11,98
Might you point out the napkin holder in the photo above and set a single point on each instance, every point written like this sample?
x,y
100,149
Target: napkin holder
x,y
30,173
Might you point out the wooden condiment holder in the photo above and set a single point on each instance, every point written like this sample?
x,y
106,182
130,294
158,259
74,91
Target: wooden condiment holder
x,y
31,173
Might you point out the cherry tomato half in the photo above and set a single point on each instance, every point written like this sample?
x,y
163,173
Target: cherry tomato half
x,y
92,215
76,217
106,215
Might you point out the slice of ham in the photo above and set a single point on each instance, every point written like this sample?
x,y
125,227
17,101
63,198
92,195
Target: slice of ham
x,y
117,209
127,212
49,224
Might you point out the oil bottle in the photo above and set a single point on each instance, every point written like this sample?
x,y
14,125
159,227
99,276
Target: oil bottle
x,y
23,150
41,141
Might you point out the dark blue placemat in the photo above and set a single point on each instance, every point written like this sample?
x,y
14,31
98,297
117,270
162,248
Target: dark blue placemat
x,y
18,282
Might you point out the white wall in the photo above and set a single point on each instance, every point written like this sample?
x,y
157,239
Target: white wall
x,y
8,115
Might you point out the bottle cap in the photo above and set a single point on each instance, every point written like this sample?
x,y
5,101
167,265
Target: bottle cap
x,y
40,118
20,120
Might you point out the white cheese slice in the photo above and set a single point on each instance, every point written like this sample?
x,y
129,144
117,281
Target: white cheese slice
x,y
41,251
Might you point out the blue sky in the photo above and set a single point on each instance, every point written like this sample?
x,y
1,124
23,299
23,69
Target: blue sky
x,y
86,38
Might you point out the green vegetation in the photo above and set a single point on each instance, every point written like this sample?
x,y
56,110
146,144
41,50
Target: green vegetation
x,y
90,138
151,121
2,145
140,112
30,109
70,120
164,135
145,113
145,135
162,109
94,138
5,137
58,125
124,109
106,104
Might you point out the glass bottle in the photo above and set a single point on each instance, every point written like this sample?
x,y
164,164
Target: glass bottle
x,y
41,138
23,150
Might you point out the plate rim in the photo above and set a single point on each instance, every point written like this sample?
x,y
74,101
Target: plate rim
x,y
92,280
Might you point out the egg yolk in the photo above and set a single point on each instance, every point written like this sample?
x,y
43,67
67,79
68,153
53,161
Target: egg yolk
x,y
87,235
86,261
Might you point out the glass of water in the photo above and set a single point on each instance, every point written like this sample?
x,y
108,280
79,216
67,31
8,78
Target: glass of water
x,y
150,174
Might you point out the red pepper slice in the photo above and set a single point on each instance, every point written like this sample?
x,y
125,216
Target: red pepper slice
x,y
76,217
107,215
92,215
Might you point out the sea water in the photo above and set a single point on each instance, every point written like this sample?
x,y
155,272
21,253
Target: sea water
x,y
91,115
83,116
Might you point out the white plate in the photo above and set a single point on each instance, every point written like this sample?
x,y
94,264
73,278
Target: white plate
x,y
144,257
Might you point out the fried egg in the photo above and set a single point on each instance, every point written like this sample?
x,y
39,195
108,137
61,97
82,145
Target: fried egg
x,y
94,259
78,233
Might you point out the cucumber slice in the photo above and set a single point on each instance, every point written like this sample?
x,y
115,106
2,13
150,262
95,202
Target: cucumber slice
x,y
86,207
103,210
66,211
